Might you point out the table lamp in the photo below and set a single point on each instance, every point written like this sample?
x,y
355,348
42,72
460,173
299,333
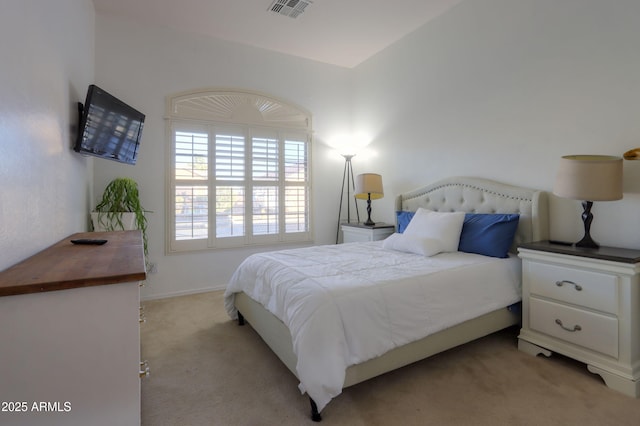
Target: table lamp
x,y
589,178
369,187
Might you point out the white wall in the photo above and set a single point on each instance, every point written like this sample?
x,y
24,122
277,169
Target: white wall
x,y
493,88
144,64
502,89
47,53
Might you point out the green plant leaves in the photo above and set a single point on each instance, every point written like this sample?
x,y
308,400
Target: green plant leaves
x,y
121,195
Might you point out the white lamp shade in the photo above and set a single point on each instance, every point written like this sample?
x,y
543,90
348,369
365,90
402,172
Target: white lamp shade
x,y
589,178
369,184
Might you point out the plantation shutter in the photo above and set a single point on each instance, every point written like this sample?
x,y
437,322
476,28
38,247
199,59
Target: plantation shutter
x,y
239,171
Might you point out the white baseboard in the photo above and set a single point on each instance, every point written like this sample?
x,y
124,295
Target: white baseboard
x,y
183,292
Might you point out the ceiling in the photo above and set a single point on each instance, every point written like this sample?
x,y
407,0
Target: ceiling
x,y
338,32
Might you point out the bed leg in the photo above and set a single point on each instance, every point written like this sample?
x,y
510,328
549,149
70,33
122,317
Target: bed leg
x,y
240,319
315,415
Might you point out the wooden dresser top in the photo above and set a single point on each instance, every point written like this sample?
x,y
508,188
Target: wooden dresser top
x,y
65,265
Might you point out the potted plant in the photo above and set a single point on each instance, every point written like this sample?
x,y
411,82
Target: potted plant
x,y
120,209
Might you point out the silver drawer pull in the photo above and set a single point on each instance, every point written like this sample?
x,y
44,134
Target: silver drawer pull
x,y
575,327
561,283
144,369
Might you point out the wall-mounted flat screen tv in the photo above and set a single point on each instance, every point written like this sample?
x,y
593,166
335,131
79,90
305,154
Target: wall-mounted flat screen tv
x,y
109,128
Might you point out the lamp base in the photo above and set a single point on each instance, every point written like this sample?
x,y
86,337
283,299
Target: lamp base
x,y
369,222
587,218
587,242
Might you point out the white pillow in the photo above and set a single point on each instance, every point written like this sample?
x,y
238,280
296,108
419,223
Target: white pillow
x,y
409,244
443,226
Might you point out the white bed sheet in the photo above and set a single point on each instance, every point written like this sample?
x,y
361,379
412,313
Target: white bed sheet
x,y
345,304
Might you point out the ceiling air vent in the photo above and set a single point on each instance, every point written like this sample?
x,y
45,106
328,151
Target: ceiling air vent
x,y
290,8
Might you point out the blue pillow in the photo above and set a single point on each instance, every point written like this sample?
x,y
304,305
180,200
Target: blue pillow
x,y
403,220
488,234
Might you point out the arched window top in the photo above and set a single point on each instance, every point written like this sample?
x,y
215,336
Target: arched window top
x,y
239,168
237,106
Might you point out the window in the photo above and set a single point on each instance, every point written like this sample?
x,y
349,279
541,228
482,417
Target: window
x,y
241,181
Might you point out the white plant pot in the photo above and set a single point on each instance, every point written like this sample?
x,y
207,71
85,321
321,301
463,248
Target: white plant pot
x,y
128,221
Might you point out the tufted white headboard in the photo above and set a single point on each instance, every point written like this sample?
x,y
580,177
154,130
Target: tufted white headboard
x,y
477,195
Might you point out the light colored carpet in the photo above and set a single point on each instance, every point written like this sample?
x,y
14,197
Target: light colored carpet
x,y
206,370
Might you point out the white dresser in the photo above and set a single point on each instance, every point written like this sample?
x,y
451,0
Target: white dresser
x,y
357,232
70,351
585,304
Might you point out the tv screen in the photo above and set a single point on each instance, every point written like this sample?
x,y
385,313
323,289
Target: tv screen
x,y
109,128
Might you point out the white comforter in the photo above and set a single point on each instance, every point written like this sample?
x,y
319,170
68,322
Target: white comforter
x,y
345,304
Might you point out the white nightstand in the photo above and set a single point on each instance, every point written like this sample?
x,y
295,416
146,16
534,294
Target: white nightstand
x,y
357,232
585,304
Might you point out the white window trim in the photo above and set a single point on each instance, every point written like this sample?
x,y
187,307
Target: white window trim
x,y
240,109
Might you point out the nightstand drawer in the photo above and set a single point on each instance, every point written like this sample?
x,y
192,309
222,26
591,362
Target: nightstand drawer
x,y
579,287
358,233
588,329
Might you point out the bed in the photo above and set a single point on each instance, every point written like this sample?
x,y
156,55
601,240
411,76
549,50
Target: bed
x,y
330,345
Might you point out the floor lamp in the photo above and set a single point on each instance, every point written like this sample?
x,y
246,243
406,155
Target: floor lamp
x,y
347,177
